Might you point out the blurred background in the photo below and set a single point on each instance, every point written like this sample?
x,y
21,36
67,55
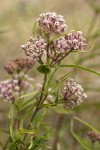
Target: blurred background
x,y
16,22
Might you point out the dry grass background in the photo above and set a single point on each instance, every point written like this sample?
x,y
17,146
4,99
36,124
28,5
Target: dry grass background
x,y
16,22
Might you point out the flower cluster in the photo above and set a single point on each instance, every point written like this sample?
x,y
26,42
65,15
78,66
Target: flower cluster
x,y
19,64
71,41
73,93
94,136
52,23
75,40
10,89
35,47
60,45
57,48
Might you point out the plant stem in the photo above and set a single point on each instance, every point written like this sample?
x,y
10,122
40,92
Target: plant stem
x,y
41,99
52,75
92,146
61,58
39,102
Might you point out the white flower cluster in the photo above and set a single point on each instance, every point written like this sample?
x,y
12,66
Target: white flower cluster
x,y
56,49
52,23
35,47
75,40
61,46
9,89
73,93
71,41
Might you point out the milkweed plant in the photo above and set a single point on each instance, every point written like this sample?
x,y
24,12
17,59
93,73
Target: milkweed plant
x,y
29,101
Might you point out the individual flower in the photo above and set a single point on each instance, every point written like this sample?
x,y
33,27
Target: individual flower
x,y
49,99
10,89
52,23
35,47
39,86
73,93
94,137
19,64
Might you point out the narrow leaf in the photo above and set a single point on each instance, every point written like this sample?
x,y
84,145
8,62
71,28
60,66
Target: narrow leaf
x,y
29,94
82,68
81,141
87,124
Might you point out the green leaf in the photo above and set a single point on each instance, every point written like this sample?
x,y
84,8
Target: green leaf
x,y
41,119
34,28
65,111
63,78
29,111
31,143
52,75
44,69
10,119
40,140
82,68
25,131
87,124
28,102
81,141
29,94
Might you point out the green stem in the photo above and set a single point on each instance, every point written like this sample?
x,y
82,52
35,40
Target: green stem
x,y
92,146
43,91
39,102
52,75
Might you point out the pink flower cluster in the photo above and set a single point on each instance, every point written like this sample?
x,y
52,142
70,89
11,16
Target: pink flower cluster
x,y
73,93
94,136
52,23
9,89
60,45
75,40
58,48
18,64
35,47
71,41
